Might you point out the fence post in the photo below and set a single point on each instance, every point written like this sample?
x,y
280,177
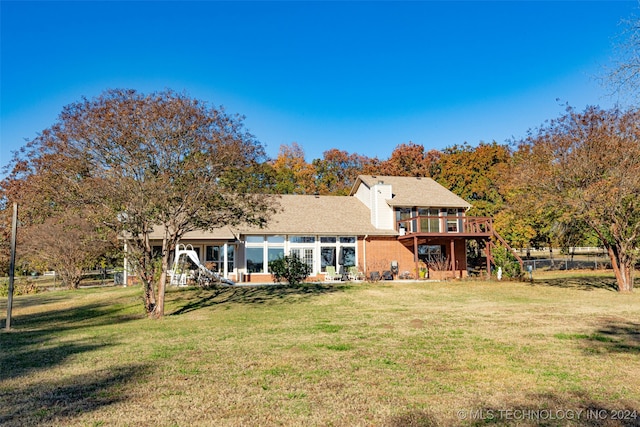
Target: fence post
x,y
12,265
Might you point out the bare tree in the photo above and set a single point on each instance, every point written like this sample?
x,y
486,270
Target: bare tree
x,y
624,77
143,162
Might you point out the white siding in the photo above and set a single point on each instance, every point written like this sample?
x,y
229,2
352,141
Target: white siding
x,y
381,212
364,195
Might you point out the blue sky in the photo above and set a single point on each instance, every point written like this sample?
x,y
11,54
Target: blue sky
x,y
357,76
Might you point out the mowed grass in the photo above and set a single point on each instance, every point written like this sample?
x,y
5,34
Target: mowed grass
x,y
383,354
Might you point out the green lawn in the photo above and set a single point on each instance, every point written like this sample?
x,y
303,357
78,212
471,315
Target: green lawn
x,y
564,351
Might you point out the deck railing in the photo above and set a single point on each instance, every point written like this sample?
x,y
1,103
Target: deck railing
x,y
450,225
445,225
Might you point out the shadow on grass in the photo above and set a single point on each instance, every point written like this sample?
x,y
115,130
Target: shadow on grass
x,y
33,300
548,409
249,295
36,353
613,336
74,317
38,340
616,337
59,402
585,283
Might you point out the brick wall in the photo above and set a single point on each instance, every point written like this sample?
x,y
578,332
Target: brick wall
x,y
380,251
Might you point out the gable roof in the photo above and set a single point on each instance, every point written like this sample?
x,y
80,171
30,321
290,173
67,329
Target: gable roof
x,y
413,191
328,215
339,215
220,233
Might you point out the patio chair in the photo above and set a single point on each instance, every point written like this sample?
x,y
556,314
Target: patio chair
x,y
355,275
331,275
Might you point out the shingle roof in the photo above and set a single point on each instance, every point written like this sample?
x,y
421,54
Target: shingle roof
x,y
340,215
330,215
414,191
222,233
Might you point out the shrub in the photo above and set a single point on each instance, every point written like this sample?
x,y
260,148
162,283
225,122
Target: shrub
x,y
289,268
20,287
510,266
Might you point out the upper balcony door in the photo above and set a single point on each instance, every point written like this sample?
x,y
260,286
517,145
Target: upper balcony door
x,y
429,221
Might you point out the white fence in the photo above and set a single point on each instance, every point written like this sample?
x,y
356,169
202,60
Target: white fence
x,y
593,263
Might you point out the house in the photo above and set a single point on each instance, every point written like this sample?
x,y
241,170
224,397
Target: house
x,y
387,224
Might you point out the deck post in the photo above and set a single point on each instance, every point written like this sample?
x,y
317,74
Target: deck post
x,y
453,257
487,250
415,256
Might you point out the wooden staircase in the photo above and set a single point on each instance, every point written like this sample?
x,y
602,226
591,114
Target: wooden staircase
x,y
485,226
491,245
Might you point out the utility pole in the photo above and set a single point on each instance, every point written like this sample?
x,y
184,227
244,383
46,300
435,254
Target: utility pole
x,y
12,264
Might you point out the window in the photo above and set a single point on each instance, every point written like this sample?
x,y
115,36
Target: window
x,y
452,220
405,214
156,251
214,258
305,255
255,260
338,252
348,256
274,254
327,257
429,220
302,239
231,258
430,253
261,250
304,248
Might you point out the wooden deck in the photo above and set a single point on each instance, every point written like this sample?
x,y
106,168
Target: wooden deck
x,y
451,229
445,226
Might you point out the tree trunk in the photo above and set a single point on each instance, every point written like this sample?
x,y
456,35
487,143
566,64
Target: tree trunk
x,y
158,310
71,279
622,267
149,296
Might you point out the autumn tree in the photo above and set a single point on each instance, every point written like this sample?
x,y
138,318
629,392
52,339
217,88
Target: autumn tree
x,y
587,167
68,243
53,235
337,171
143,162
474,174
5,235
293,175
523,223
407,160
